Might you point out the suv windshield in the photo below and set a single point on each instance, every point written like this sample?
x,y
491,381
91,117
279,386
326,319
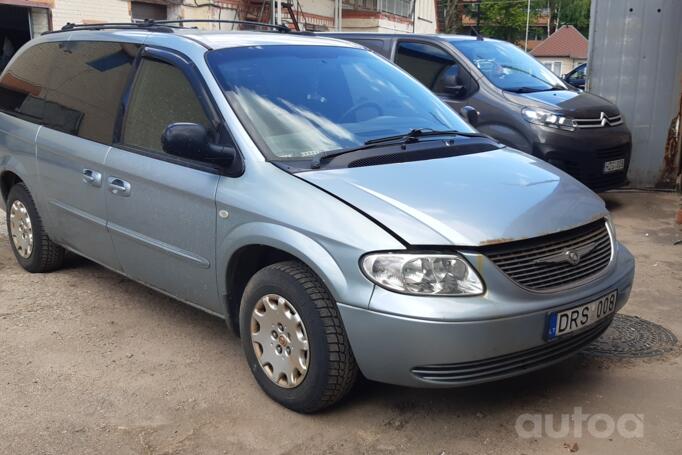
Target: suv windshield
x,y
300,101
508,67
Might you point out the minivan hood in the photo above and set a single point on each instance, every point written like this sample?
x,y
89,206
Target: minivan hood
x,y
468,200
566,102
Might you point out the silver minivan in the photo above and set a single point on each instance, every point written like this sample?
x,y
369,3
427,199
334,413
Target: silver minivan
x,y
338,215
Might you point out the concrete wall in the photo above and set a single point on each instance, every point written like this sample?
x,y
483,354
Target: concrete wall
x,y
425,12
89,11
635,60
39,21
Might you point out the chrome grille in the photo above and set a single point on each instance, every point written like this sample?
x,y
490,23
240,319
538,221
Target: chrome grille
x,y
598,122
542,264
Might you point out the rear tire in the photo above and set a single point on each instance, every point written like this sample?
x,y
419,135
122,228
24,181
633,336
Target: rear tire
x,y
293,290
34,250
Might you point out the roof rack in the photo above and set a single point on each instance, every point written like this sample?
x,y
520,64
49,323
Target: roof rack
x,y
164,26
275,27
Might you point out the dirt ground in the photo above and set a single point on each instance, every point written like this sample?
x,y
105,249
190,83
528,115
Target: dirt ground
x,y
91,362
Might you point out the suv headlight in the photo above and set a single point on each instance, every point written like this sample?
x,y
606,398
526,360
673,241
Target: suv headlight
x,y
547,118
422,274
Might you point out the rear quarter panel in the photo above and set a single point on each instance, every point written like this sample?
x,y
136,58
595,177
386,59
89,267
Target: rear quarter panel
x,y
18,153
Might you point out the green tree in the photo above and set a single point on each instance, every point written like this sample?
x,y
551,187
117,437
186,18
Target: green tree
x,y
575,13
506,20
453,10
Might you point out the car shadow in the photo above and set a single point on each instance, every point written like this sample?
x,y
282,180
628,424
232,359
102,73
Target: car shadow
x,y
612,204
528,391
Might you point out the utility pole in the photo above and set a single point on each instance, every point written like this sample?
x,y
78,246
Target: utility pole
x,y
525,48
478,16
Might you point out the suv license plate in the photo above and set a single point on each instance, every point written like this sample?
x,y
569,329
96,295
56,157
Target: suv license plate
x,y
613,166
567,321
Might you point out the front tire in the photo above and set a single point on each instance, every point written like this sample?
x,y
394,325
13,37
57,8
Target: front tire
x,y
31,246
294,339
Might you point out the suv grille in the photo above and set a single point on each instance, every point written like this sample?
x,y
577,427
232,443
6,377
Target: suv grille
x,y
542,264
599,122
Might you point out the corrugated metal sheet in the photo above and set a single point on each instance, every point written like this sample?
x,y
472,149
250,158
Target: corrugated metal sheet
x,y
635,60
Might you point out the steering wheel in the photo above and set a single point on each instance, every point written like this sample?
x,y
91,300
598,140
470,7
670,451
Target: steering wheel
x,y
357,107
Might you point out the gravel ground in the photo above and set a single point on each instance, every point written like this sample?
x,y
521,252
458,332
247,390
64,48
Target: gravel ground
x,y
91,362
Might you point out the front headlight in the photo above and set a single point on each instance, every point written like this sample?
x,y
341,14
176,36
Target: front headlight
x,y
422,274
547,118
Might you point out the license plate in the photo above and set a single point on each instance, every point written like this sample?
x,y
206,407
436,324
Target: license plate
x,y
567,321
613,166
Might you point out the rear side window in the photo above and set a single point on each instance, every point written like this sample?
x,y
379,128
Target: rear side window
x,y
423,61
161,95
23,85
376,45
86,83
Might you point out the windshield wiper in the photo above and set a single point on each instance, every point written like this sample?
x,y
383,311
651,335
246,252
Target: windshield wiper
x,y
533,89
398,139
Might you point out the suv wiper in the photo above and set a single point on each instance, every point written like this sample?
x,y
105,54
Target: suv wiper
x,y
414,134
398,139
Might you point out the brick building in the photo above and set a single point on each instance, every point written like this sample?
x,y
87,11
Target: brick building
x,y
20,20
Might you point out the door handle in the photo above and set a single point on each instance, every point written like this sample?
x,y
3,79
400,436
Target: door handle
x,y
91,177
119,187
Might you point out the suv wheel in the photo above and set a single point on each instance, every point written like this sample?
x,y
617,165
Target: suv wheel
x,y
33,249
293,338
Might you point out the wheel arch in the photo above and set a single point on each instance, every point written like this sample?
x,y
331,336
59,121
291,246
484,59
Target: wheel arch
x,y
7,180
253,246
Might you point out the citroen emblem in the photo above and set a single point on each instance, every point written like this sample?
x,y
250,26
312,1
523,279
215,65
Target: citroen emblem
x,y
604,119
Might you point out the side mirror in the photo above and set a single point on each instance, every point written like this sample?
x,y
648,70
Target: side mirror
x,y
191,140
450,82
470,114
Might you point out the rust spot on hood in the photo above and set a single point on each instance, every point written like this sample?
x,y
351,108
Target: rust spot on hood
x,y
500,240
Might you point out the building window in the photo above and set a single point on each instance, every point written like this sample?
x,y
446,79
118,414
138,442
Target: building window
x,y
141,11
554,67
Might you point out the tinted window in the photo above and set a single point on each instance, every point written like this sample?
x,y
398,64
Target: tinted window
x,y
298,101
86,83
161,95
24,84
578,73
423,61
376,45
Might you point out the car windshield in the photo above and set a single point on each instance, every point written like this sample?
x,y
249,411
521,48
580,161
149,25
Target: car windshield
x,y
508,67
300,101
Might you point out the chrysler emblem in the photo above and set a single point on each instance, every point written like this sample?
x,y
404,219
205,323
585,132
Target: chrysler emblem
x,y
570,255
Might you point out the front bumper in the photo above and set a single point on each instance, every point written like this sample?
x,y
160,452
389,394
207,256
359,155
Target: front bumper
x,y
461,341
582,153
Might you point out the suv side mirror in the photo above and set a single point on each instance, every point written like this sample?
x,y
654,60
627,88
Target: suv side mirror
x,y
470,114
450,82
191,140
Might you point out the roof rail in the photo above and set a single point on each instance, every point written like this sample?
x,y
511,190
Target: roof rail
x,y
275,27
163,26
